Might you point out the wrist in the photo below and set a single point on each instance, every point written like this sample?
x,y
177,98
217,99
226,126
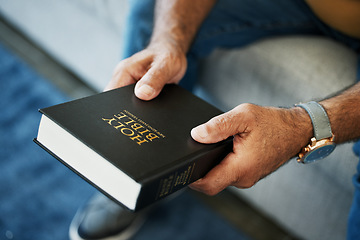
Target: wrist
x,y
169,43
322,143
336,120
303,127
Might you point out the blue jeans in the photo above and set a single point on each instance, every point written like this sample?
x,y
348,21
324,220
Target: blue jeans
x,y
354,215
234,24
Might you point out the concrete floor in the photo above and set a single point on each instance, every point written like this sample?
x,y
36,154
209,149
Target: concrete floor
x,y
238,212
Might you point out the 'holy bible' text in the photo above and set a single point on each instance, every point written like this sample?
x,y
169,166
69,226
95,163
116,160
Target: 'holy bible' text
x,y
132,128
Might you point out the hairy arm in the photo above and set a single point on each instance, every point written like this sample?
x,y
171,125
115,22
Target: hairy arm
x,y
266,137
344,114
177,22
164,59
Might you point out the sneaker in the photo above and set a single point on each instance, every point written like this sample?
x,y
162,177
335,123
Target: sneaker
x,y
104,219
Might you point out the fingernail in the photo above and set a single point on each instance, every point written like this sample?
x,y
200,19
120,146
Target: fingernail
x,y
198,181
144,90
200,131
194,184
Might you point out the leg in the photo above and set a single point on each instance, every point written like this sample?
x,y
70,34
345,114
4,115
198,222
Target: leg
x,y
234,24
230,24
354,215
139,25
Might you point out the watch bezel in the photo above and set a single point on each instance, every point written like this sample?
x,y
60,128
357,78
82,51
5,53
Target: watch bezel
x,y
316,146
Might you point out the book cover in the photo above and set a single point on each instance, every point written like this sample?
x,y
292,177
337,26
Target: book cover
x,y
136,152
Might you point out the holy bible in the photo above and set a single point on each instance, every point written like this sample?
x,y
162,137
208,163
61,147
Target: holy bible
x,y
136,152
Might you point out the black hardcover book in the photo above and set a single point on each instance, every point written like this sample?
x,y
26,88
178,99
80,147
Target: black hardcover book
x,y
136,152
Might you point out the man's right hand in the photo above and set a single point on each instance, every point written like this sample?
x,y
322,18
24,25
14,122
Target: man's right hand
x,y
158,64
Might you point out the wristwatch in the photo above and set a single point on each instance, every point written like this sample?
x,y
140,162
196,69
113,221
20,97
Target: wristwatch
x,y
322,144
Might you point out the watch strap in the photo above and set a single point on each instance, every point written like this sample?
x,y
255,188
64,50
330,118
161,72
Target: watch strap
x,y
319,119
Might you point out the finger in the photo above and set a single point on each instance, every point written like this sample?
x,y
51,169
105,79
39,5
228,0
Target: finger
x,y
121,79
217,179
129,71
217,128
151,84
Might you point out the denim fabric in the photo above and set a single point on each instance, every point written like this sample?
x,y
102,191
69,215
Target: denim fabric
x,y
354,215
234,24
138,27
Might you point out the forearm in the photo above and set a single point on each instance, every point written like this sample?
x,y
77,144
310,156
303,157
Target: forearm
x,y
178,21
344,114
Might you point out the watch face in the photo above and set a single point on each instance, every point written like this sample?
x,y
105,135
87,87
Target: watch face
x,y
319,153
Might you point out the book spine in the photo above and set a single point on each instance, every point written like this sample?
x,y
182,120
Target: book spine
x,y
185,173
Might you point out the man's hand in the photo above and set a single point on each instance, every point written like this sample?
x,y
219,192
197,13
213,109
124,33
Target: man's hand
x,y
164,60
150,69
264,139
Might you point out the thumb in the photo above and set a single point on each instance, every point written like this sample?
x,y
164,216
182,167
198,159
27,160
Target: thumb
x,y
216,129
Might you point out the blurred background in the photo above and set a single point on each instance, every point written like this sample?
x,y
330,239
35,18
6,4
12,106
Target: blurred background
x,y
55,51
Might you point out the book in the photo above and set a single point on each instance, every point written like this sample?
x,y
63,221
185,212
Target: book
x,y
135,152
